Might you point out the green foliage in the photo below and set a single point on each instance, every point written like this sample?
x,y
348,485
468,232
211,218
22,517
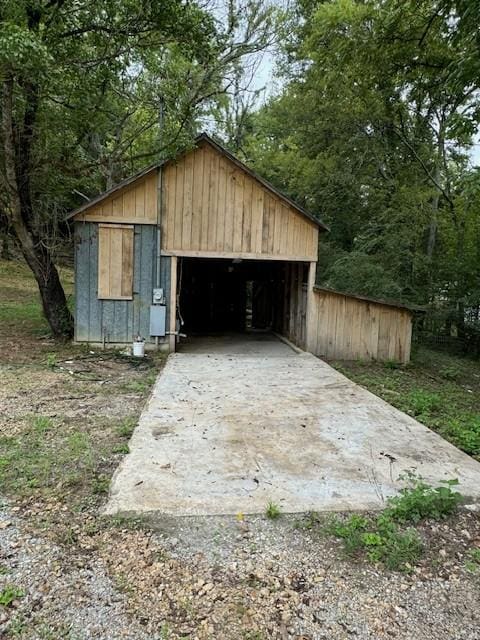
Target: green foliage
x,y
9,594
355,136
392,364
472,563
121,448
424,402
272,511
47,458
382,539
126,427
420,500
464,432
450,372
51,361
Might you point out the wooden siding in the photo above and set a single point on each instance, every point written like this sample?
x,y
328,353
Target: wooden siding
x,y
295,303
115,321
134,204
214,208
348,328
115,261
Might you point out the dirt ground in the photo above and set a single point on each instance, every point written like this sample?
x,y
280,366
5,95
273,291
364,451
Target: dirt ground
x,y
67,572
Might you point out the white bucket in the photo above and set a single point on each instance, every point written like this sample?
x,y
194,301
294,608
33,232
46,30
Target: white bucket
x,y
139,349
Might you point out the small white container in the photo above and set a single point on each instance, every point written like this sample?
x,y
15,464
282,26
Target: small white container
x,y
138,349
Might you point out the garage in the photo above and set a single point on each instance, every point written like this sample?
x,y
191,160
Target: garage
x,y
233,295
202,245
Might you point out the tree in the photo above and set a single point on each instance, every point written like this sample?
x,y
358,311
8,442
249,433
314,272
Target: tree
x,y
370,132
82,87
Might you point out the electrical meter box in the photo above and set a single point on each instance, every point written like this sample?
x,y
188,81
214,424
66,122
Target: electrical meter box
x,y
158,316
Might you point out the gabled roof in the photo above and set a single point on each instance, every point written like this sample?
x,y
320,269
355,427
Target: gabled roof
x,y
204,137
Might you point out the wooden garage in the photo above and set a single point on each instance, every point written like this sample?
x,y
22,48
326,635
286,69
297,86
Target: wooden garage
x,y
201,243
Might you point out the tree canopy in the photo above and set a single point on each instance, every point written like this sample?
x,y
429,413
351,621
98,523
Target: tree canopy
x,y
373,131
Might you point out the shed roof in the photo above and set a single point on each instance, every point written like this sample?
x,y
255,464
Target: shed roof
x,y
204,137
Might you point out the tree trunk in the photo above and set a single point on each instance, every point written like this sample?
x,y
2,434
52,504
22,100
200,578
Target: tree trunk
x,y
37,256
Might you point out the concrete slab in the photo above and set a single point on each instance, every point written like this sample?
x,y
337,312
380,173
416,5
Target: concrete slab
x,y
231,343
224,433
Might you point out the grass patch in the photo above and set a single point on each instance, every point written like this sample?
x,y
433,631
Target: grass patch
x,y
440,390
272,511
55,457
126,427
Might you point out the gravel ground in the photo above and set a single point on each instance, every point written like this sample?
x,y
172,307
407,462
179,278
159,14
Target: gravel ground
x,y
225,578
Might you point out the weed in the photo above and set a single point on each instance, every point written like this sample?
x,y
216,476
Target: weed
x,y
100,485
424,402
392,364
41,424
464,432
3,570
140,385
133,523
420,500
382,539
126,427
165,632
51,361
450,372
472,563
9,594
272,511
121,448
16,626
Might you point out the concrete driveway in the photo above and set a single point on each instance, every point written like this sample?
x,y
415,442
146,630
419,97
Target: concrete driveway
x,y
228,431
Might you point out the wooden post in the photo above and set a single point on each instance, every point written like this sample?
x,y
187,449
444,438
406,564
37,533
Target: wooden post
x,y
173,303
311,320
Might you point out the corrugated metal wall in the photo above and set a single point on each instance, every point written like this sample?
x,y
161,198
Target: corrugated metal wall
x,y
117,320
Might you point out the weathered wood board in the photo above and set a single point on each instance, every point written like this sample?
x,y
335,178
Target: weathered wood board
x,y
212,207
350,328
134,204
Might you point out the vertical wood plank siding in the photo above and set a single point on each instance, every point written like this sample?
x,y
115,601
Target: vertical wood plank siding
x,y
347,328
115,320
136,203
212,206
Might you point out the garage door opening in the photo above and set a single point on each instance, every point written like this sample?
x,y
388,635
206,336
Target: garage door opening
x,y
220,296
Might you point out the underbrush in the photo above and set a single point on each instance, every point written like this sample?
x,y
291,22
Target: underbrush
x,y
386,538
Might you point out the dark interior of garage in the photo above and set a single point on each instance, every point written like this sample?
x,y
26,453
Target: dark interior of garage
x,y
221,295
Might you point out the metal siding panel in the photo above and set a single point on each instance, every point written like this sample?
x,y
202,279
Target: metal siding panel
x,y
147,278
137,261
95,305
120,321
82,282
